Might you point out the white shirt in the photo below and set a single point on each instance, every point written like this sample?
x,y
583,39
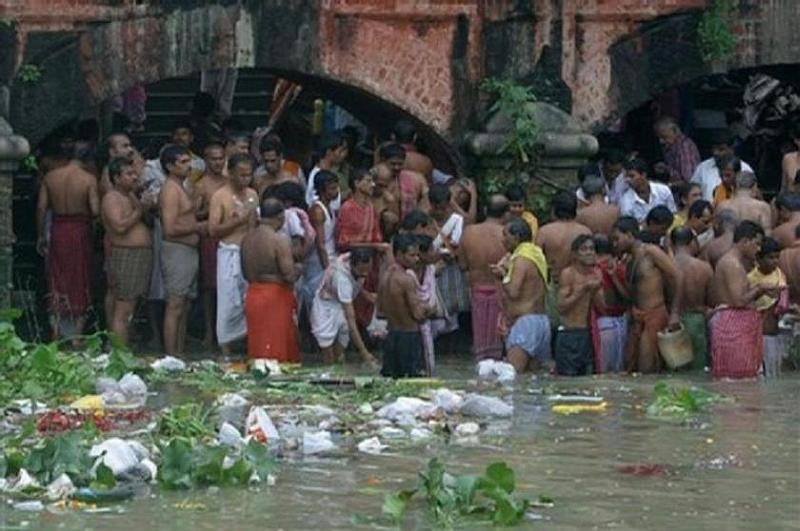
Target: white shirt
x,y
292,225
707,176
613,193
311,193
452,228
632,205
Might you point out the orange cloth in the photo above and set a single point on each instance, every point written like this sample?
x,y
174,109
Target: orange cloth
x,y
270,309
721,193
641,354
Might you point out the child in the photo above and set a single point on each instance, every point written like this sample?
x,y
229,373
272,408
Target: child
x,y
516,207
610,323
425,273
767,273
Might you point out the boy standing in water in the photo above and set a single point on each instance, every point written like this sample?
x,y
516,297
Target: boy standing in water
x,y
767,274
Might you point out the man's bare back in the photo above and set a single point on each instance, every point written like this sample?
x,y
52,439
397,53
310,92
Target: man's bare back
x,y
749,208
481,246
70,190
267,257
790,265
555,239
697,276
419,163
598,217
791,165
729,283
717,248
784,234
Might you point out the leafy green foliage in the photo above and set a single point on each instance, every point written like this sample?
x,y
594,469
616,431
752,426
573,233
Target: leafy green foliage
x,y
716,39
65,454
121,362
450,498
513,100
104,478
29,164
187,420
29,74
680,403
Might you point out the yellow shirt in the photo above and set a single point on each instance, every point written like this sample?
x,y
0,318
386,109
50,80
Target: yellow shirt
x,y
677,221
775,279
530,219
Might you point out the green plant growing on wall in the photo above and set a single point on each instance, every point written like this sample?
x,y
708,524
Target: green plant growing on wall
x,y
513,100
29,164
29,73
716,40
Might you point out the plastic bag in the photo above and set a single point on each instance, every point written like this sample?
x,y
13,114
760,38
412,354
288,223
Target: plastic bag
x,y
467,429
60,488
499,370
485,406
407,406
447,400
169,363
132,386
260,426
230,436
317,442
373,446
116,454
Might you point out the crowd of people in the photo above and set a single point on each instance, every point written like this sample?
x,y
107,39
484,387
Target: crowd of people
x,y
392,256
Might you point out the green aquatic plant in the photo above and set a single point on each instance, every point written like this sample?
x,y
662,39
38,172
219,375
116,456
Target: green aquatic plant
x,y
683,402
186,421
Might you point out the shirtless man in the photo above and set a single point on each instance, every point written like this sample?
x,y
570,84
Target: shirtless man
x,y
598,215
119,146
272,172
231,214
71,194
697,276
745,203
725,224
131,257
409,186
788,205
736,326
481,246
580,290
386,203
179,254
523,273
405,134
270,304
213,179
790,265
791,164
399,302
651,274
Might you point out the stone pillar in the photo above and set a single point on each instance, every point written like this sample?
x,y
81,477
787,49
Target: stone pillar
x,y
13,149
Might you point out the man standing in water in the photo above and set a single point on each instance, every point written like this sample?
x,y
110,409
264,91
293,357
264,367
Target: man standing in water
x,y
736,326
650,274
409,186
482,246
270,304
725,225
745,203
179,255
131,257
231,214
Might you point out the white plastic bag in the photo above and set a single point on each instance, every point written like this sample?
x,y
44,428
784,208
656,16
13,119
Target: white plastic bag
x,y
447,400
407,406
485,406
60,488
496,370
230,436
116,454
317,442
257,420
373,446
169,363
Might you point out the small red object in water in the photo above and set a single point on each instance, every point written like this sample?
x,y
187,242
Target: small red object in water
x,y
643,469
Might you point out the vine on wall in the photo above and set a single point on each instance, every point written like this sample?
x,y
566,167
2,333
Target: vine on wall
x,y
716,39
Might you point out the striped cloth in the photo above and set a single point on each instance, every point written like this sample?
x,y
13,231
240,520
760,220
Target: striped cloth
x,y
737,346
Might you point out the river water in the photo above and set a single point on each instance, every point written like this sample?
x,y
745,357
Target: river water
x,y
736,466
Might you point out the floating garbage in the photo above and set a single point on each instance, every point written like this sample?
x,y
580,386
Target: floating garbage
x,y
32,506
317,442
373,446
260,426
168,364
24,481
129,391
232,409
572,409
118,455
60,488
447,400
229,436
407,406
485,406
467,429
420,434
575,398
497,370
390,432
27,406
88,402
366,409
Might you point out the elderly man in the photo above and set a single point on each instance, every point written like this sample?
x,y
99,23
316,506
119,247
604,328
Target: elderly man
x,y
708,173
680,152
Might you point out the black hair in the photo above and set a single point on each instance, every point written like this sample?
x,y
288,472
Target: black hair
x,y
115,167
271,143
360,255
769,246
439,194
358,175
602,245
183,123
722,137
170,154
565,205
392,150
236,136
681,236
580,240
330,141
404,131
698,207
593,186
289,192
240,158
213,145
646,236
588,170
520,229
682,189
660,173
415,219
402,242
424,242
638,165
515,193
627,225
497,206
270,207
660,215
747,230
613,156
730,160
322,179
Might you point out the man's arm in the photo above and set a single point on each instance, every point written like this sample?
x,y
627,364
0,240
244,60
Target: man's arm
x,y
514,286
674,279
418,311
318,222
42,203
286,262
115,220
358,341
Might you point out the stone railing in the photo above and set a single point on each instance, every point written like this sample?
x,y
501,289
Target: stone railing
x,y
13,149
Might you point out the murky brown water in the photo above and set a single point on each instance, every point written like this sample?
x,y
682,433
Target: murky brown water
x,y
737,467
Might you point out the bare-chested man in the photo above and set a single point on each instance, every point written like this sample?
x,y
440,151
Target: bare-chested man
x,y
745,203
790,265
409,186
481,247
231,214
213,179
270,304
735,327
788,205
725,224
179,254
555,239
399,302
386,203
598,215
272,172
119,146
131,257
405,134
652,274
580,289
791,164
697,276
699,220
523,272
71,194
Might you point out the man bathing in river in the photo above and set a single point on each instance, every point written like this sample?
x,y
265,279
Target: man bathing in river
x,y
697,276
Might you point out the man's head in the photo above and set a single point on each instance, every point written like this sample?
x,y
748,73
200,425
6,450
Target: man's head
x,y
612,163
272,213
768,255
565,206
382,176
688,193
659,220
701,215
602,245
729,167
123,174
426,252
681,237
182,134
326,184
667,131
661,173
175,161
747,238
583,251
497,207
240,169
271,150
636,175
237,142
119,145
333,147
361,181
746,180
405,247
214,156
404,132
416,222
516,232
593,187
787,203
394,156
516,200
439,197
726,221
360,261
624,234
290,193
722,146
